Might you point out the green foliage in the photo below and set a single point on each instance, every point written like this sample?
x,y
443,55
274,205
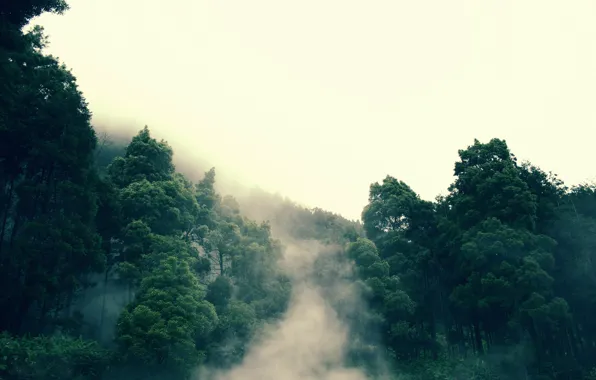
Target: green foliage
x,y
48,196
297,222
488,184
495,280
501,262
19,13
238,322
167,319
56,357
145,159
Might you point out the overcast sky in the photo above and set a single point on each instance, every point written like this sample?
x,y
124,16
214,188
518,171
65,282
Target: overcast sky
x,y
316,99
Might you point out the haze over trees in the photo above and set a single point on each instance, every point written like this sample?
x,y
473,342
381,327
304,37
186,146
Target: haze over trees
x,y
114,265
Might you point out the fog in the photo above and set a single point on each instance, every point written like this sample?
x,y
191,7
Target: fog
x,y
311,340
318,99
314,101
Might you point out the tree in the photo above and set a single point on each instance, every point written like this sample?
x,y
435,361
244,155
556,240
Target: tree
x,y
167,325
19,13
488,184
48,196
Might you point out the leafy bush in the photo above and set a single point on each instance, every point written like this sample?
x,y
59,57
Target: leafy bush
x,y
56,357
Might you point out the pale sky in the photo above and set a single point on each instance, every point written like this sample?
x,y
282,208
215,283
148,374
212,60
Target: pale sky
x,y
317,99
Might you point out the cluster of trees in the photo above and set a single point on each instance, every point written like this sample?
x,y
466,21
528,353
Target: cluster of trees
x,y
500,269
78,217
495,280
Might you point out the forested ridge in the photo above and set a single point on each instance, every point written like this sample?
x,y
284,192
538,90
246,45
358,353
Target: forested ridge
x,y
114,264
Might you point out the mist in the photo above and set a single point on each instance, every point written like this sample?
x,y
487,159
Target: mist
x,y
312,339
319,113
272,218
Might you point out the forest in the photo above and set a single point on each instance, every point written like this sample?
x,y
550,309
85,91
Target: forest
x,y
115,264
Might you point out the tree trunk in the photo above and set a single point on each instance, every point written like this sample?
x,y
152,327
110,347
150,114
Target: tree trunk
x,y
478,338
5,214
103,300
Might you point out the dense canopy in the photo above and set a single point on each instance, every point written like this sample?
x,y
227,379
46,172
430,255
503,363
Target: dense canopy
x,y
114,265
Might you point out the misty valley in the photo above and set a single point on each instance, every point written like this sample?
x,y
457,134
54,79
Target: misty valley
x,y
116,264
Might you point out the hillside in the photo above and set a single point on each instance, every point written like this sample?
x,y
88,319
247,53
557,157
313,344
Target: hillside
x,y
121,260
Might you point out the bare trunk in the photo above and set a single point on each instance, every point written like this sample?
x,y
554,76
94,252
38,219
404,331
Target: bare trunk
x,y
103,301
